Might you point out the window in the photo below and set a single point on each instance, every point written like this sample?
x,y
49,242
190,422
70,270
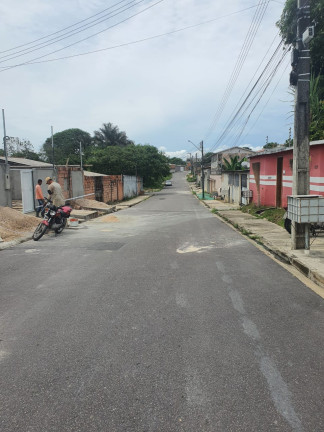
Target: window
x,y
237,179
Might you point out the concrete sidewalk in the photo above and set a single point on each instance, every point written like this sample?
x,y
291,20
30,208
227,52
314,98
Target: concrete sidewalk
x,y
275,239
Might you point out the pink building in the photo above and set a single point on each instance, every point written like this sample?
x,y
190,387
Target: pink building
x,y
271,174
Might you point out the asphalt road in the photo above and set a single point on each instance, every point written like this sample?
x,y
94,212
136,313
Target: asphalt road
x,y
154,319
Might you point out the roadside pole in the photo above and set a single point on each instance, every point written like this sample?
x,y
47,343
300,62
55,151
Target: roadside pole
x,y
300,232
202,169
52,148
7,172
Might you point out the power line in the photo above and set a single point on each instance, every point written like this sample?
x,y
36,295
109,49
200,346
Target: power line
x,y
250,36
68,34
66,28
231,123
132,42
75,43
267,102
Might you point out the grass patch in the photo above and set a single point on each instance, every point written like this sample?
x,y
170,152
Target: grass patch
x,y
272,214
191,178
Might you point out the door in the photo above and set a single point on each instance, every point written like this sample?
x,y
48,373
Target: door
x,y
279,181
27,191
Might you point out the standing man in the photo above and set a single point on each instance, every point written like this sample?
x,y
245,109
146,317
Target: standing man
x,y
55,193
39,196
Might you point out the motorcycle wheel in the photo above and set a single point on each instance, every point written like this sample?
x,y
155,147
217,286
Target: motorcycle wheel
x,y
287,225
39,231
59,230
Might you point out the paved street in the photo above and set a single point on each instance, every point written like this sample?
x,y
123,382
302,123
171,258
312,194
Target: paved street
x,y
157,318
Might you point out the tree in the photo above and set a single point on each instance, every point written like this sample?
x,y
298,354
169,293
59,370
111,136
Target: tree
x,y
207,157
234,164
289,142
288,29
66,146
176,161
2,153
142,160
110,135
270,145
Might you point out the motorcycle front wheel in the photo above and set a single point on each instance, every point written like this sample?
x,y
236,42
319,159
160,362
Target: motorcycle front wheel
x,y
59,230
39,231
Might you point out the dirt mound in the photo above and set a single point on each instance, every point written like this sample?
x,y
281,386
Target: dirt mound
x,y
14,224
89,204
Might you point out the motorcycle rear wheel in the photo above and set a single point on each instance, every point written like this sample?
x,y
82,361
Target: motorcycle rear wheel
x,y
39,231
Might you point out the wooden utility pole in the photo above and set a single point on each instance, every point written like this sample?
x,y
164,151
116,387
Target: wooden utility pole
x,y
300,232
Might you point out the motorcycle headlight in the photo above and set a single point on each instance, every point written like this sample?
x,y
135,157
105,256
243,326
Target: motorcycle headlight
x,y
52,212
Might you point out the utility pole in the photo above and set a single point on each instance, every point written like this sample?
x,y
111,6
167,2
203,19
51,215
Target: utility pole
x,y
300,232
267,139
81,154
7,172
52,148
202,169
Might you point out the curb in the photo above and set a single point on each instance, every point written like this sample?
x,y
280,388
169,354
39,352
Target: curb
x,y
286,257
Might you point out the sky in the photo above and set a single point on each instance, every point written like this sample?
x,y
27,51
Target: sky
x,y
167,90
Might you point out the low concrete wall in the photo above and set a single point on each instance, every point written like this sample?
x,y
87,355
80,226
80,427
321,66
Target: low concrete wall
x,y
5,195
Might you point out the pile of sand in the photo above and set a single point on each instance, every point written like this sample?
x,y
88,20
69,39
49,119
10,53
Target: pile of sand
x,y
14,224
89,204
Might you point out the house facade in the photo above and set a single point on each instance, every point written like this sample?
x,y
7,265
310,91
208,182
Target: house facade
x,y
235,187
217,162
271,174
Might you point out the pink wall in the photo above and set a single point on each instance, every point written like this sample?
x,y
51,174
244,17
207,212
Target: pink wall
x,y
266,193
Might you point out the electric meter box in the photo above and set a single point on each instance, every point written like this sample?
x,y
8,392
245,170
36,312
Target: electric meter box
x,y
305,208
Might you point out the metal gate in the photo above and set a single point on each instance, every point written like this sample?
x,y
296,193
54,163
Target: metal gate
x,y
27,190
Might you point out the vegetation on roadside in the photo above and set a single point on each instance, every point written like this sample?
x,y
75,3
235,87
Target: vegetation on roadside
x,y
191,178
288,29
272,214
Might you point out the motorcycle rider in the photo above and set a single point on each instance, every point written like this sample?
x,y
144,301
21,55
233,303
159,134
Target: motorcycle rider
x,y
55,193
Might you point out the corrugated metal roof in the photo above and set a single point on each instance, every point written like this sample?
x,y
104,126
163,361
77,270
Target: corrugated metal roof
x,y
93,174
27,162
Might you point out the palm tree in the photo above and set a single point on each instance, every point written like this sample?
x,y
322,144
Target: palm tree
x,y
234,164
110,135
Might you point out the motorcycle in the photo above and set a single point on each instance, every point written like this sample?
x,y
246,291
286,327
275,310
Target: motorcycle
x,y
53,218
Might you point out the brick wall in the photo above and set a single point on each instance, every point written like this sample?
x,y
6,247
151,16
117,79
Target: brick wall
x,y
64,178
112,187
89,187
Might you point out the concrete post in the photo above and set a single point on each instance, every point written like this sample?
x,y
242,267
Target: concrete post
x,y
300,232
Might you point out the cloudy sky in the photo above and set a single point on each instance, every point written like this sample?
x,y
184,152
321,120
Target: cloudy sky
x,y
184,85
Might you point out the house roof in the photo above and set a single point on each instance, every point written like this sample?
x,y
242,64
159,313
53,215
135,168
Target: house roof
x,y
93,174
282,149
26,162
233,148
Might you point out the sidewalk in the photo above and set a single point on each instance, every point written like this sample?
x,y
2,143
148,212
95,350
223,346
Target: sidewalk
x,y
274,239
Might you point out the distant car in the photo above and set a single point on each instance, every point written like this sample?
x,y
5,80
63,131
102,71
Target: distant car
x,y
168,183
